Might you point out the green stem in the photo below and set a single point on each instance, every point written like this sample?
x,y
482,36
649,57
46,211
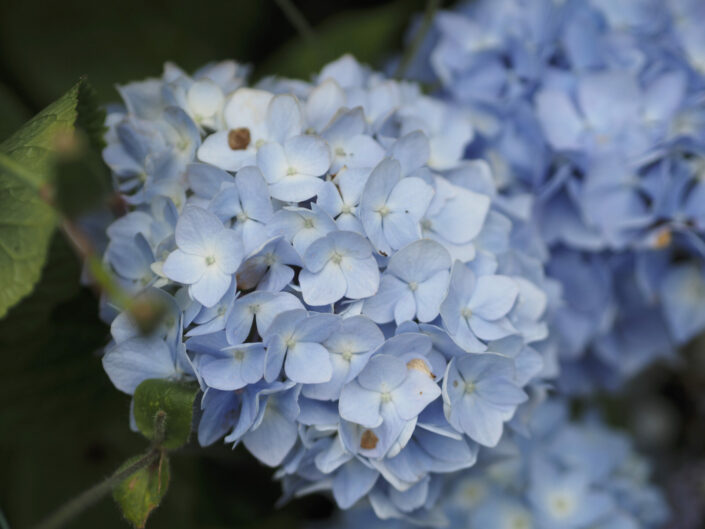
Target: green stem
x,y
159,429
297,19
431,8
3,521
86,499
83,501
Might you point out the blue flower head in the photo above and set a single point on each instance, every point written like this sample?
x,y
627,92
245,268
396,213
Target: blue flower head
x,y
536,482
590,115
333,269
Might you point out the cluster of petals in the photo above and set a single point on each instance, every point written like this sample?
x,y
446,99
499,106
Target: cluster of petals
x,y
600,483
591,115
339,280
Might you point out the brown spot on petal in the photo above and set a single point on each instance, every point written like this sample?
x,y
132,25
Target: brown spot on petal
x,y
369,440
663,239
239,139
420,365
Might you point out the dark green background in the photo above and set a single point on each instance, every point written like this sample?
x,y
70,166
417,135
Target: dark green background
x,y
63,426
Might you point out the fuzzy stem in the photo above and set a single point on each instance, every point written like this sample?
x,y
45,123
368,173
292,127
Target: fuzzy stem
x,y
431,8
297,19
86,499
3,521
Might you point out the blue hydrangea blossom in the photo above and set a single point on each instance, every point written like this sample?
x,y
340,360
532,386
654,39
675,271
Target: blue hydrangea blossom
x,y
600,482
332,267
590,115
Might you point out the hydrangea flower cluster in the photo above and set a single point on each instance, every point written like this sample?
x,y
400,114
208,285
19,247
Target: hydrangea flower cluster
x,y
337,278
599,483
591,114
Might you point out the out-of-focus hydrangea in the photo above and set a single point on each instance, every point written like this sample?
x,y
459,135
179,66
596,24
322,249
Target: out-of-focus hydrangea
x,y
591,113
341,282
568,475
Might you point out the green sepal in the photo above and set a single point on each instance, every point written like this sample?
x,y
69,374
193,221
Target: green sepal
x,y
142,492
176,399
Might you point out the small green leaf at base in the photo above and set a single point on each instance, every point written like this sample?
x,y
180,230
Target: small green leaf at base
x,y
176,399
139,494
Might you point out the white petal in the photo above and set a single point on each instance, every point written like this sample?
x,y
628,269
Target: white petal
x,y
247,108
216,150
308,155
205,98
284,118
323,103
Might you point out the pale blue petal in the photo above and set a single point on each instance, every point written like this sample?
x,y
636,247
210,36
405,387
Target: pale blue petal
x,y
317,327
308,363
491,330
308,155
274,359
430,294
380,307
228,251
324,287
419,261
493,296
561,123
324,101
272,161
416,392
194,230
206,180
405,308
272,440
284,118
138,359
211,287
352,482
411,195
254,196
360,405
361,277
319,253
412,151
382,373
184,268
400,229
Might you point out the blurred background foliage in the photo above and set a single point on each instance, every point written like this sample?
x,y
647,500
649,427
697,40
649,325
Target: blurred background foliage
x,y
63,427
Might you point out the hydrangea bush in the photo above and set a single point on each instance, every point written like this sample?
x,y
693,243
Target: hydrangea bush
x,y
600,483
592,117
344,286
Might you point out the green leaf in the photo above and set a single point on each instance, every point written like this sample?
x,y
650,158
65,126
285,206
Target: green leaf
x,y
33,146
29,183
142,492
173,397
26,225
91,115
26,220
